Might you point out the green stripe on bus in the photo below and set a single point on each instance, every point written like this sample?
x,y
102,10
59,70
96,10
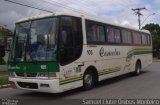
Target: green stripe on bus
x,y
108,72
70,81
144,49
136,52
140,49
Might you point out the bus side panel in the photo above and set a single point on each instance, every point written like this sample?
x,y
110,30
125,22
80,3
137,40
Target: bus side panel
x,y
71,76
106,59
142,53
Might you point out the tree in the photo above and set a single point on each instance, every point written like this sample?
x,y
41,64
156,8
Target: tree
x,y
155,32
4,35
2,54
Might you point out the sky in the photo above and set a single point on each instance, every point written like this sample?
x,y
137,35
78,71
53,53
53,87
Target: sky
x,y
117,11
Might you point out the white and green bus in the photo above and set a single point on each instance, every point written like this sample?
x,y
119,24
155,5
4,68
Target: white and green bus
x,y
62,51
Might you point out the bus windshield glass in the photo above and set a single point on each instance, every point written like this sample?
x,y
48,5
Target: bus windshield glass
x,y
35,41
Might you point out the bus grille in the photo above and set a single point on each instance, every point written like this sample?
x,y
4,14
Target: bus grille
x,y
26,74
28,85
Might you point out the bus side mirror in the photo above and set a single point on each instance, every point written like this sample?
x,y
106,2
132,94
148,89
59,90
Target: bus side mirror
x,y
2,51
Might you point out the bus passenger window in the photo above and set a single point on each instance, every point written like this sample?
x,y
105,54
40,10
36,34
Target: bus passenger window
x,y
117,35
137,38
91,32
144,39
126,37
100,34
110,35
95,32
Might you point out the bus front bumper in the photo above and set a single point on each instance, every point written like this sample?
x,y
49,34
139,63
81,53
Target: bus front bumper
x,y
40,85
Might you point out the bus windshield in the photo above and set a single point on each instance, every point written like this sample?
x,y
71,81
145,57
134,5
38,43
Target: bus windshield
x,y
35,41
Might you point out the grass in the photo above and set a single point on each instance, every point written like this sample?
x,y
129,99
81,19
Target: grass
x,y
3,67
3,75
4,80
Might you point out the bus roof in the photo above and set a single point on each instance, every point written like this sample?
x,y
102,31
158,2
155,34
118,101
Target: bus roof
x,y
80,15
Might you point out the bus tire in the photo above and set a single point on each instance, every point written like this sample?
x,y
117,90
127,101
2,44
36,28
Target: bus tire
x,y
137,68
88,81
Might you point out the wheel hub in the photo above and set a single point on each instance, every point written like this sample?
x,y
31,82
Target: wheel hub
x,y
88,80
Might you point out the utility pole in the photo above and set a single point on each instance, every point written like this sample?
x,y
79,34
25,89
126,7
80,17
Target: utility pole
x,y
137,11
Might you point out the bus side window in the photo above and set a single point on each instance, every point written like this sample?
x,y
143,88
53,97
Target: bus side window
x,y
110,34
78,38
137,39
100,33
66,32
117,36
70,39
91,32
66,42
126,37
144,39
95,32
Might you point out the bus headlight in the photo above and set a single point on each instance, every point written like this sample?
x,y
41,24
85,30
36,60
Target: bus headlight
x,y
46,74
42,74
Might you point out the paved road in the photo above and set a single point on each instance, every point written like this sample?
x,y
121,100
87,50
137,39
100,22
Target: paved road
x,y
147,85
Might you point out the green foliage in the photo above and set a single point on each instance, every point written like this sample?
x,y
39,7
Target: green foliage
x,y
4,80
155,32
4,31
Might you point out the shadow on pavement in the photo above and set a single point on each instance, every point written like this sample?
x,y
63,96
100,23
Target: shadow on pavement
x,y
119,78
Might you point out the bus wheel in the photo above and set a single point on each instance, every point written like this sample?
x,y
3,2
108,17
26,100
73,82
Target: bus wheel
x,y
88,81
138,68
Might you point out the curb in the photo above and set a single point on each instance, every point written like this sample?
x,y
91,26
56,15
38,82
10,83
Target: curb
x,y
5,86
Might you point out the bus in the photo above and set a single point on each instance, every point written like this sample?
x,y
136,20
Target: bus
x,y
61,51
